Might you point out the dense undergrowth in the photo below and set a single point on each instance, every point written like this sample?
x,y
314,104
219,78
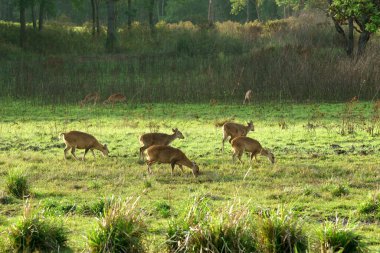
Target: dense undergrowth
x,y
295,59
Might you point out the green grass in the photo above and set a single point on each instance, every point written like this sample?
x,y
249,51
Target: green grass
x,y
307,169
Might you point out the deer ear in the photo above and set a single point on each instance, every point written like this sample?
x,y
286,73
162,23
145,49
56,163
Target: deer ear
x,y
173,129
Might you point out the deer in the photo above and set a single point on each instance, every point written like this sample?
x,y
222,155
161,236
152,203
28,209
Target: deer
x,y
117,97
151,139
245,144
248,97
80,140
94,96
168,154
235,130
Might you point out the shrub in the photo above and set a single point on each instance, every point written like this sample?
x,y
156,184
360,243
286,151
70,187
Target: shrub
x,y
35,233
231,231
120,229
17,183
280,231
334,237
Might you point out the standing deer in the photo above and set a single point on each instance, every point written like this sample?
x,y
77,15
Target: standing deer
x,y
117,97
94,96
151,139
245,144
79,140
248,97
167,154
234,130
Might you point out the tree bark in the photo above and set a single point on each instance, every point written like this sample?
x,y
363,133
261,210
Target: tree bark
x,y
111,26
209,18
350,36
129,21
363,39
93,17
33,16
41,15
22,23
97,17
150,15
248,14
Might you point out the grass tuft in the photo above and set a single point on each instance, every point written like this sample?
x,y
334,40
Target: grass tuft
x,y
17,183
35,233
336,237
120,229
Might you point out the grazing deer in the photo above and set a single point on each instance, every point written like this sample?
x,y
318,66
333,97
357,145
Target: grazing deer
x,y
245,144
167,154
151,139
94,96
117,97
235,130
354,99
376,106
79,140
248,97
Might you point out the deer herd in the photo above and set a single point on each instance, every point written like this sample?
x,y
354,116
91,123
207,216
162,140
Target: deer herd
x,y
156,145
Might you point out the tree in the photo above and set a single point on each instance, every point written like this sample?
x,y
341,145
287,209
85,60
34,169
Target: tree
x,y
41,15
22,7
111,26
95,17
362,16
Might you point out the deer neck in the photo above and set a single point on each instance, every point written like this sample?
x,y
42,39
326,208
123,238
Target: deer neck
x,y
186,162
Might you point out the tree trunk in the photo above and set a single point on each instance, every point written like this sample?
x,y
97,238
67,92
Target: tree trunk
x,y
248,14
163,8
97,17
350,36
209,18
33,16
150,15
41,15
129,21
363,39
257,10
111,26
93,17
22,23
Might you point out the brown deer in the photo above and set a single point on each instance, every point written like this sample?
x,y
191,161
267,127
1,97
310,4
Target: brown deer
x,y
167,154
79,140
117,97
94,96
248,97
376,106
245,144
234,130
151,139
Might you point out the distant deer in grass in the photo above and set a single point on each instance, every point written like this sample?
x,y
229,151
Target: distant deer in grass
x,y
376,106
354,99
117,97
234,130
93,96
248,97
245,144
151,139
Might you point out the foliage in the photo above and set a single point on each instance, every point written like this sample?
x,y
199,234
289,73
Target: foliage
x,y
36,233
120,228
17,183
339,237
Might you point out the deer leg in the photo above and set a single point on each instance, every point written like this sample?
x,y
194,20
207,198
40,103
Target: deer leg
x,y
239,156
93,153
65,152
149,163
225,137
181,167
173,165
85,152
142,149
73,153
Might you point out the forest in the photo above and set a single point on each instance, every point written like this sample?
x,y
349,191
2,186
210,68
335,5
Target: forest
x,y
213,125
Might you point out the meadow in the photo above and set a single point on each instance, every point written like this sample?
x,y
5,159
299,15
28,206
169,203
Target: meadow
x,y
327,163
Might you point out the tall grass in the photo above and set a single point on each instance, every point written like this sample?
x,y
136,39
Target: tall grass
x,y
120,229
339,237
36,233
17,183
296,59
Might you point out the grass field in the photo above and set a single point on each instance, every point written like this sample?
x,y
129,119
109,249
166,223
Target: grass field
x,y
318,181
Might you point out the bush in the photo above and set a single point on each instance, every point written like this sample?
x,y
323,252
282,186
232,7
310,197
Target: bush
x,y
334,237
17,183
120,229
196,231
36,233
279,231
